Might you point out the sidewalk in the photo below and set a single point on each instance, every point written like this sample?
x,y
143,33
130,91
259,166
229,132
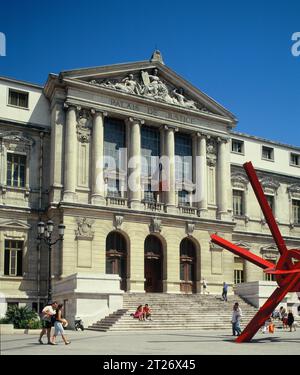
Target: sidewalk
x,y
154,343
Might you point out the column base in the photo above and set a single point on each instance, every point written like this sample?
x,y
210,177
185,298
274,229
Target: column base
x,y
203,212
171,287
171,210
69,196
98,200
224,216
136,205
135,286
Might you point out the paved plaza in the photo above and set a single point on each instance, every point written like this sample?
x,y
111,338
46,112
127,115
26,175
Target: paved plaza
x,y
154,343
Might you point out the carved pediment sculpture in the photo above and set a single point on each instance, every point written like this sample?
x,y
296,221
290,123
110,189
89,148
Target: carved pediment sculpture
x,y
16,141
269,184
152,86
239,180
84,229
294,191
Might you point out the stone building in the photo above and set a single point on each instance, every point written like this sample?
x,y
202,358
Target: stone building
x,y
64,149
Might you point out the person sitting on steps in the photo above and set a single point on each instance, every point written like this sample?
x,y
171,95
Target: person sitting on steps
x,y
139,313
147,312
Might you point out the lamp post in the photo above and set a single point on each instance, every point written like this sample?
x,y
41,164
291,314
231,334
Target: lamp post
x,y
45,233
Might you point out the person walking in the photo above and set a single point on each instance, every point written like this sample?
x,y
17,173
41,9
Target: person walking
x,y
225,290
236,318
47,314
204,283
59,323
291,321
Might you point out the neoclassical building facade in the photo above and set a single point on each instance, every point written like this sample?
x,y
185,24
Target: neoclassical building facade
x,y
66,152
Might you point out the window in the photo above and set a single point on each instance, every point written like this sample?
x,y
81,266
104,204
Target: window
x,y
183,198
16,167
295,159
18,98
270,200
183,160
238,270
237,146
238,202
149,195
267,153
113,188
150,150
13,255
11,305
269,277
114,140
296,211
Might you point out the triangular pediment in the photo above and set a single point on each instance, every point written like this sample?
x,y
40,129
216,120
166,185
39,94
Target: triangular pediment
x,y
151,80
14,224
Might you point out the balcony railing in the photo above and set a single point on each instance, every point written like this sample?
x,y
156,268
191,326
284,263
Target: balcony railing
x,y
188,210
116,201
154,206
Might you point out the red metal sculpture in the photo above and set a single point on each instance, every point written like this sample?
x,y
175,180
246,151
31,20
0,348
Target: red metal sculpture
x,y
286,271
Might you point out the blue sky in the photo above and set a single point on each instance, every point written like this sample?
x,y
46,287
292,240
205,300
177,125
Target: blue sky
x,y
237,53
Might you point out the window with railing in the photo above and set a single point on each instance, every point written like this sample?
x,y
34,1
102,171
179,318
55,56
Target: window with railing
x,y
183,198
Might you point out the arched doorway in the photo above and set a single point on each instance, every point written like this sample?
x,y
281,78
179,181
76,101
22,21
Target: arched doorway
x,y
116,256
153,264
187,266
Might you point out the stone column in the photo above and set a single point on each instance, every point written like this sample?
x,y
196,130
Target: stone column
x,y
200,177
223,179
134,163
98,190
70,154
170,195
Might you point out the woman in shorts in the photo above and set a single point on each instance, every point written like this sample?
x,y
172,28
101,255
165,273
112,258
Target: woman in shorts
x,y
59,325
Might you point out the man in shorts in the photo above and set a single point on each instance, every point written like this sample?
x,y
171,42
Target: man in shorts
x,y
47,313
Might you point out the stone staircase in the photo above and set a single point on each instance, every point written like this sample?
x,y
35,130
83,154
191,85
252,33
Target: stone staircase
x,y
175,312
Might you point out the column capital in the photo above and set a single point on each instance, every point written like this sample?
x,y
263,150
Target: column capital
x,y
68,106
222,140
170,127
135,120
94,112
201,135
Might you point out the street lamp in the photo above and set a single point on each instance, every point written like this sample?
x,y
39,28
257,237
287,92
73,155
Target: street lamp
x,y
45,233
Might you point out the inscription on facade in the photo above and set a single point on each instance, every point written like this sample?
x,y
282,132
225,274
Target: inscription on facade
x,y
153,111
